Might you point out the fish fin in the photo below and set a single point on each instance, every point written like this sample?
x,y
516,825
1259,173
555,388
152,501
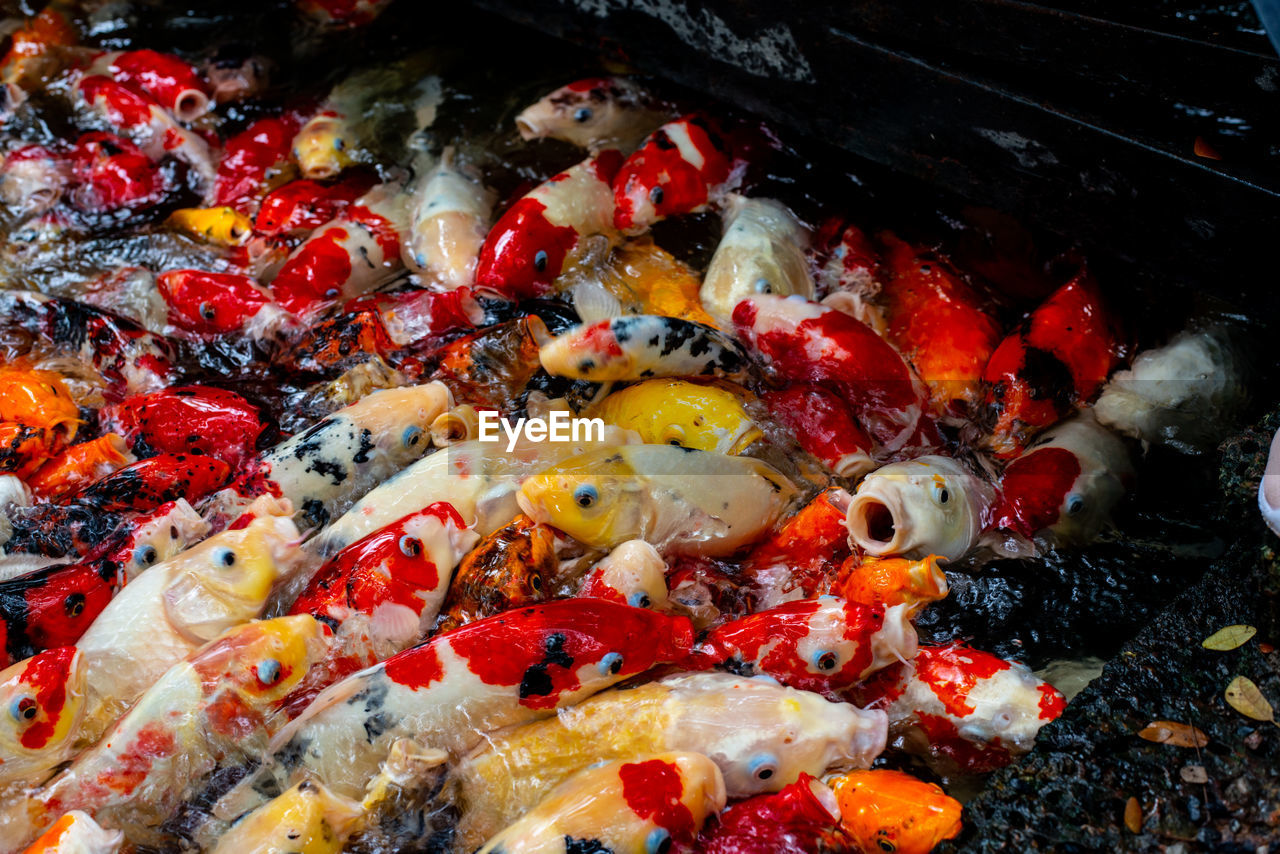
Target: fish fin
x,y
594,303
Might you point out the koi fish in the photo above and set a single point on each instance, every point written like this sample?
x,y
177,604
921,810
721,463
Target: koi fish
x,y
491,366
541,233
823,425
1065,484
448,692
303,205
1056,361
510,568
33,179
69,530
347,257
886,810
821,645
802,818
155,537
647,805
678,499
189,419
51,607
937,321
77,833
633,573
451,214
761,735
130,359
320,146
252,158
642,346
80,465
109,173
931,505
849,272
890,581
217,303
174,84
341,14
223,226
211,712
679,169
677,412
32,58
147,484
38,399
327,468
975,710
762,252
595,113
175,606
307,818
43,702
800,558
804,342
396,578
1184,394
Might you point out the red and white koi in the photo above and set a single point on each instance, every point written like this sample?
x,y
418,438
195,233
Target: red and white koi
x,y
450,217
1065,484
680,169
542,232
252,159
804,342
594,113
188,420
43,701
642,346
650,804
77,833
823,425
762,252
448,692
931,505
633,573
301,206
802,818
171,82
975,710
211,304
822,645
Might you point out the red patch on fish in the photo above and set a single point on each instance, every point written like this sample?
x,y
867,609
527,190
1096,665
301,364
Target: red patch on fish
x,y
122,106
64,605
189,419
250,155
416,668
162,75
1052,702
820,421
1033,488
153,742
149,483
47,674
652,790
304,204
210,303
659,173
791,821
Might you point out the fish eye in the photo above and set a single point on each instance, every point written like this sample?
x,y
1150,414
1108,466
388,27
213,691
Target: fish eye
x,y
224,556
74,604
269,671
886,844
825,659
1075,505
410,546
207,312
536,582
585,496
611,664
540,260
145,555
763,286
24,708
658,842
412,436
582,114
639,599
656,196
763,766
941,494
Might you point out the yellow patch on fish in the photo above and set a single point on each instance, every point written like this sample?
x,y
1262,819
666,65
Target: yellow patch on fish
x,y
223,226
306,819
707,417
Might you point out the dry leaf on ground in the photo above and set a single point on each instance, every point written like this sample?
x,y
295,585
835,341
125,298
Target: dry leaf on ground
x,y
1229,638
1174,733
1247,699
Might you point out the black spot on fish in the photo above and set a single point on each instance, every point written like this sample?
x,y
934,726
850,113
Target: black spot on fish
x,y
366,445
586,365
655,341
376,724
738,667
290,756
372,697
315,513
328,621
622,329
661,141
331,469
585,846
536,681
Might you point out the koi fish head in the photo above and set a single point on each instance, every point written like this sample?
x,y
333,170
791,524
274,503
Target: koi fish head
x,y
306,818
886,810
590,112
673,173
891,581
633,573
210,303
38,399
320,147
112,173
42,700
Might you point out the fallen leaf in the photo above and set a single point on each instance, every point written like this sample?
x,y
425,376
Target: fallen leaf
x,y
1265,648
1133,816
1229,638
1174,733
1194,774
1247,699
1205,150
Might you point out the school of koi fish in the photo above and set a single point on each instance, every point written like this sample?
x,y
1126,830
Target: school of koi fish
x,y
331,617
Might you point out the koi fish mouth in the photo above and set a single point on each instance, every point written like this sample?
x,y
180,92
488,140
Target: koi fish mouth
x,y
528,129
876,523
